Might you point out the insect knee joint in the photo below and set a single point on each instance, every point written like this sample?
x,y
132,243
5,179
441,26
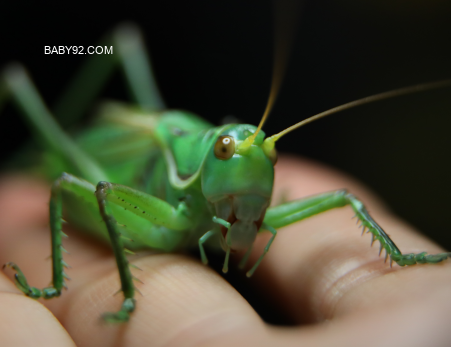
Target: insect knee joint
x,y
64,177
103,185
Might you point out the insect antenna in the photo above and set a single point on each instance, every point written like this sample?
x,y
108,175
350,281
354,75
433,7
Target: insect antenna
x,y
285,15
269,142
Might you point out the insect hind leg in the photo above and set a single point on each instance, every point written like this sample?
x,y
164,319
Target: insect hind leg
x,y
130,54
17,85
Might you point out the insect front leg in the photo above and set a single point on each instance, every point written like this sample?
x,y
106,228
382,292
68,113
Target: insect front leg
x,y
257,263
204,239
225,242
297,210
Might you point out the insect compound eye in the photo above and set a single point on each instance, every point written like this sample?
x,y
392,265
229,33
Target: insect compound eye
x,y
225,147
273,156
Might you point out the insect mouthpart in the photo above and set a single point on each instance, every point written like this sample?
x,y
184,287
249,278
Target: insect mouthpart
x,y
245,213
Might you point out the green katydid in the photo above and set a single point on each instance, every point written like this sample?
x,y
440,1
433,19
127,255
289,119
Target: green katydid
x,y
179,181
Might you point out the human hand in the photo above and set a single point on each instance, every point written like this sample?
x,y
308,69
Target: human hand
x,y
320,272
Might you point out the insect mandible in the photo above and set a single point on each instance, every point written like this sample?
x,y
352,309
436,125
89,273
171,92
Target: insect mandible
x,y
176,176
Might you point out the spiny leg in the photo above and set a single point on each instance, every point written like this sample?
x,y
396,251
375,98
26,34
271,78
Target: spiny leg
x,y
297,210
145,206
58,263
130,53
125,275
385,241
110,195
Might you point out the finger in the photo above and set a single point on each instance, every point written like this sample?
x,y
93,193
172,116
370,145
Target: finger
x,y
321,268
25,322
183,305
421,323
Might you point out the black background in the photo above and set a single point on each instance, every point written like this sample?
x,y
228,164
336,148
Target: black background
x,y
215,58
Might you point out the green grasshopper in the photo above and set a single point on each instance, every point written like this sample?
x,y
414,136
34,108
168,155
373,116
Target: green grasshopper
x,y
180,182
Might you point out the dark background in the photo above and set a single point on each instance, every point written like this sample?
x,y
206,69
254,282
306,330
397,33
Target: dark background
x,y
215,58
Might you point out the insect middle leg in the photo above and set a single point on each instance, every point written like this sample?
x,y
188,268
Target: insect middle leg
x,y
297,210
65,182
109,199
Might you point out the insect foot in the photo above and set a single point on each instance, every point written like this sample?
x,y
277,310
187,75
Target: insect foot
x,y
122,316
420,258
32,292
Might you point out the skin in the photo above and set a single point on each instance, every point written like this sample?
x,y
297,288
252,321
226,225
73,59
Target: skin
x,y
319,271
